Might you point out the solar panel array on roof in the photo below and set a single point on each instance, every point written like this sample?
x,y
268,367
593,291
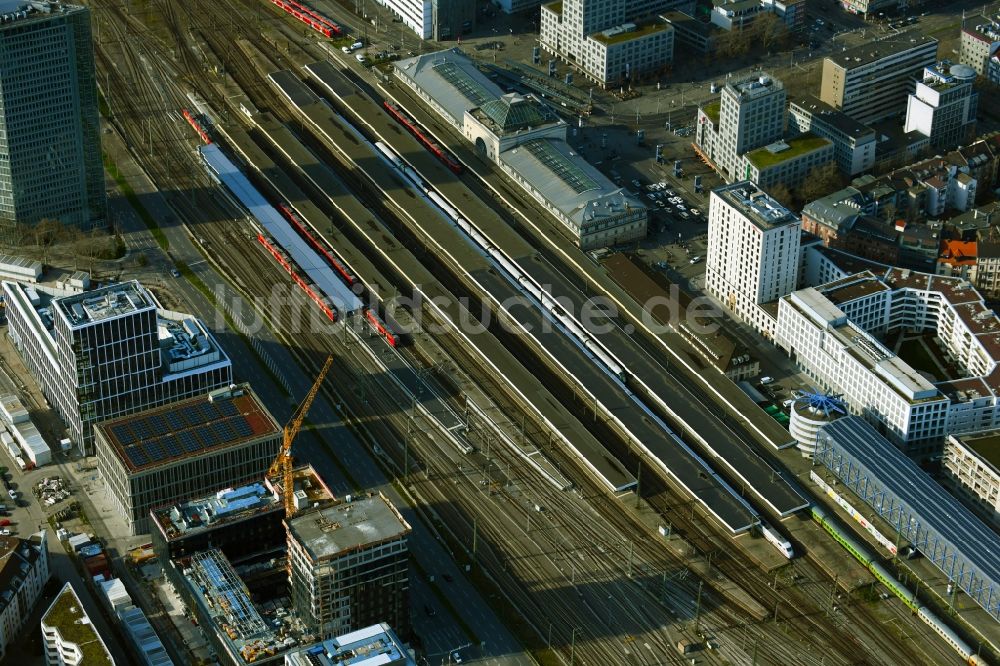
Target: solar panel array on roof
x,y
463,83
569,173
182,431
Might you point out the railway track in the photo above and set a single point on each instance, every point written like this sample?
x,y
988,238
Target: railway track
x,y
560,537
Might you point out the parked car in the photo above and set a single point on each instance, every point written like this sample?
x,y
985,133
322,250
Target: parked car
x,y
766,379
13,494
5,522
176,273
694,260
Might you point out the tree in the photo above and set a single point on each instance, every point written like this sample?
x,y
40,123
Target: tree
x,y
769,31
780,193
734,43
45,234
820,181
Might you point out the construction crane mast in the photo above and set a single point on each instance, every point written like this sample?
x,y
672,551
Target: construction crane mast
x,y
282,465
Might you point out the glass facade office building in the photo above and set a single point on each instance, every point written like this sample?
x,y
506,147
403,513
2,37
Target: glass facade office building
x,y
50,151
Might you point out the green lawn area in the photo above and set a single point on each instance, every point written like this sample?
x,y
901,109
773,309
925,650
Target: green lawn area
x,y
713,111
763,158
919,358
641,31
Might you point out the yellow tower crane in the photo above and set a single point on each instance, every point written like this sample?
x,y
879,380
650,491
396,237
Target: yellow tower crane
x,y
282,465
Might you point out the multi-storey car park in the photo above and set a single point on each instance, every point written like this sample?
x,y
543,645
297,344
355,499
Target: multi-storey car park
x,y
604,389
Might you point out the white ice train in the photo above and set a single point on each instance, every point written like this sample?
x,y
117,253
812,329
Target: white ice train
x,y
587,342
775,539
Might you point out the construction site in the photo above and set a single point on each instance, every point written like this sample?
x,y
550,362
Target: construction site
x,y
226,555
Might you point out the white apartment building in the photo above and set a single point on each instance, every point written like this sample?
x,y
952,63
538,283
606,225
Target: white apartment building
x,y
69,637
833,332
24,570
978,46
609,41
110,351
943,106
971,466
753,252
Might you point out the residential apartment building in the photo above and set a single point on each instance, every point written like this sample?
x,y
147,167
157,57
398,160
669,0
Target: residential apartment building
x,y
853,142
978,46
110,352
834,332
24,570
866,7
69,638
349,566
871,82
50,165
988,267
943,106
971,467
606,41
185,449
753,252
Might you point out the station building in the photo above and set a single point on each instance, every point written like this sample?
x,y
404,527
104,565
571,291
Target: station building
x,y
184,449
921,511
109,352
522,135
24,570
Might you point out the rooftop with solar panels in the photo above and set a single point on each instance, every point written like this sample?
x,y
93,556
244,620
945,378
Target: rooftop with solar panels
x,y
192,427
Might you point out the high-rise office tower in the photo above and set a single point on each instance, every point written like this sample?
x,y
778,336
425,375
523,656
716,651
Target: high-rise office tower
x,y
50,146
752,114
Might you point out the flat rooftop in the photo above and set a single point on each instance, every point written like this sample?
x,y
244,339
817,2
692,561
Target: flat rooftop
x,y
757,85
376,645
628,31
986,445
786,149
756,205
339,529
869,52
108,302
189,428
67,615
853,288
833,117
225,506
